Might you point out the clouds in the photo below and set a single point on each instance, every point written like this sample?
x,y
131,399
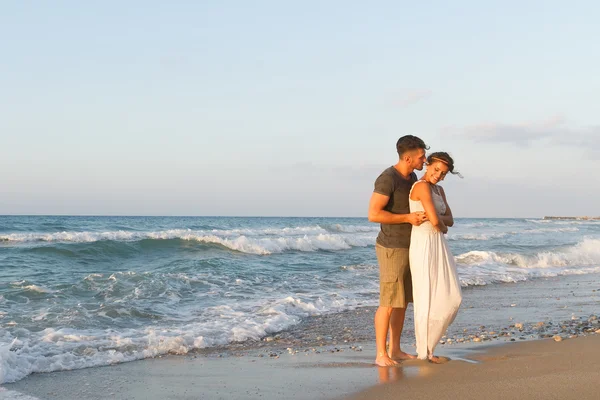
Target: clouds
x,y
520,133
554,131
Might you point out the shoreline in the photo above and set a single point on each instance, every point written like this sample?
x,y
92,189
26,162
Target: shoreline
x,y
331,356
330,374
539,369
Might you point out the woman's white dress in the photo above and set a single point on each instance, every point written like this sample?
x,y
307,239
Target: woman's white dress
x,y
436,288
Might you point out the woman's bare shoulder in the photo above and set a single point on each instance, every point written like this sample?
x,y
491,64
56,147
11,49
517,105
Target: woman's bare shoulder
x,y
421,184
420,187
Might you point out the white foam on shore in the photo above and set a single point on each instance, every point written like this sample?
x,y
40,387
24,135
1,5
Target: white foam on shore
x,y
585,253
67,349
330,242
486,267
121,235
55,349
245,244
266,241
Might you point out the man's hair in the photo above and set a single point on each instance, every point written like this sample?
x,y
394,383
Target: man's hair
x,y
408,143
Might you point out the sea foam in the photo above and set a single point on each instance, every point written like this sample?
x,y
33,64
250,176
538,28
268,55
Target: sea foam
x,y
486,267
66,348
272,240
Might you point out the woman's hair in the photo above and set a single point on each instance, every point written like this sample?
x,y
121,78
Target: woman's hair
x,y
445,158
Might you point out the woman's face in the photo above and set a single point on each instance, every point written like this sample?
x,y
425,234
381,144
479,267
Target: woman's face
x,y
436,171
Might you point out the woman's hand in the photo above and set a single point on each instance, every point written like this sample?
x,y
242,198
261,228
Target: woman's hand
x,y
441,226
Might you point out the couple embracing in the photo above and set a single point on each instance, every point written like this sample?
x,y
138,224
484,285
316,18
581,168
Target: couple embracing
x,y
415,263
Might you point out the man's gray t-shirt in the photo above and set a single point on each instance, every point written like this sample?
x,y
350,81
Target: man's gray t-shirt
x,y
391,183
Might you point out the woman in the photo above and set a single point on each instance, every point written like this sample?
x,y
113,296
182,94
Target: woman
x,y
436,289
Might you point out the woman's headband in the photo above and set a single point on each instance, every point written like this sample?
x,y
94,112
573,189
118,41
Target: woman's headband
x,y
440,160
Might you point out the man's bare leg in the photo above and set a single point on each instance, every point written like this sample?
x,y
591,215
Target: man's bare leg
x,y
396,326
382,324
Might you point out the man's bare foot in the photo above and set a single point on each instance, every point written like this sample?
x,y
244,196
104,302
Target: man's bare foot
x,y
384,361
400,356
438,360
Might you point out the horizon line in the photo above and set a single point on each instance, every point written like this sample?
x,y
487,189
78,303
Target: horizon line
x,y
232,216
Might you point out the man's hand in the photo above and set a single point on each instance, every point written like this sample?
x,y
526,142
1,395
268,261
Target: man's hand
x,y
417,218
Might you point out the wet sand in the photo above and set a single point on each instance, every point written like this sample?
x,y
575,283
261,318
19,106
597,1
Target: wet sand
x,y
331,356
543,369
303,376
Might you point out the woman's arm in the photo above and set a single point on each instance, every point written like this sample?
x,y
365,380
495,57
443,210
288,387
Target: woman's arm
x,y
422,192
447,217
378,214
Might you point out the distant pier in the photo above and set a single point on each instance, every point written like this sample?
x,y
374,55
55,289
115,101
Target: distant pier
x,y
576,218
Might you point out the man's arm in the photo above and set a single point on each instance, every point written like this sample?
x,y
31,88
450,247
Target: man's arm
x,y
378,214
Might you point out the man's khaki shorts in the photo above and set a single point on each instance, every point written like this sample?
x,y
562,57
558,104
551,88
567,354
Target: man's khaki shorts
x,y
395,283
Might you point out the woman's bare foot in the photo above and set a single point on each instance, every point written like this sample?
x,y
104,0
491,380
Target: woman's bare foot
x,y
438,360
400,356
384,361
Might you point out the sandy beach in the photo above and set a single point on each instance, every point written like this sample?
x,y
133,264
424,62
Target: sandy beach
x,y
331,357
542,369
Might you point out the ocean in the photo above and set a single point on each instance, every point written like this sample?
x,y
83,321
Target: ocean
x,y
78,292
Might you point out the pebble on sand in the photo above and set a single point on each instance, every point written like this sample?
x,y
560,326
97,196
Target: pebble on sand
x,y
557,338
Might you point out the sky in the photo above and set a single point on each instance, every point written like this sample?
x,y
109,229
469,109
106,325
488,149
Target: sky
x,y
273,108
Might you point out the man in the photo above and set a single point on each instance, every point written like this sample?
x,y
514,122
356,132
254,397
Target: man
x,y
389,207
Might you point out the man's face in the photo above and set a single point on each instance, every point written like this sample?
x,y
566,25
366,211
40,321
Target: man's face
x,y
417,159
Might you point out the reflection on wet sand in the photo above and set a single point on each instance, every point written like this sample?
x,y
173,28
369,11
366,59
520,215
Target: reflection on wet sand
x,y
390,374
408,369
